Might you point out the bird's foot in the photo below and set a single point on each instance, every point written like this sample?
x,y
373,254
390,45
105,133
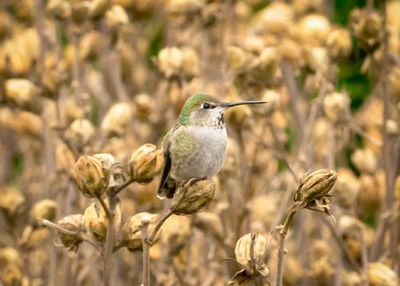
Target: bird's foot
x,y
192,181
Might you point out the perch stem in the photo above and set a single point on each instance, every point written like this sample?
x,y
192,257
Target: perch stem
x,y
283,230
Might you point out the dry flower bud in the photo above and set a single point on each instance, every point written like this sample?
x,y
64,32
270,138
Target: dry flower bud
x,y
144,104
81,132
352,278
64,158
392,127
44,209
143,163
21,91
72,223
381,275
11,275
290,51
339,43
59,8
365,160
313,30
98,8
80,11
117,119
176,232
8,256
346,188
116,17
315,185
11,201
169,61
210,222
106,160
366,26
90,46
337,107
96,222
251,252
72,111
131,234
192,197
237,59
275,18
89,176
190,62
183,7
351,231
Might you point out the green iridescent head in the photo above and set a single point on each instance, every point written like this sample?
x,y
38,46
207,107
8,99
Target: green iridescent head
x,y
203,109
193,103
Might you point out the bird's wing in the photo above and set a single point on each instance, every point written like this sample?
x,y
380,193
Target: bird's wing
x,y
167,164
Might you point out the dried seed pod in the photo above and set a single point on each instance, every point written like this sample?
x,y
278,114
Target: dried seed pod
x,y
182,8
96,221
337,107
351,230
365,160
27,124
352,278
44,209
116,17
210,222
276,18
60,9
98,8
193,196
11,201
21,91
145,163
251,252
367,27
131,234
339,43
237,59
19,53
190,62
346,188
65,159
11,275
89,176
144,105
117,119
315,185
81,132
381,275
80,11
313,30
75,224
8,256
169,61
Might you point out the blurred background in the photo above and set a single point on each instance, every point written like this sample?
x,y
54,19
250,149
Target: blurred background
x,y
107,76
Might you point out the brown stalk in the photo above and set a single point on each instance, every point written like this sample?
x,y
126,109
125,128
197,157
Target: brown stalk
x,y
153,234
283,230
146,253
388,152
108,245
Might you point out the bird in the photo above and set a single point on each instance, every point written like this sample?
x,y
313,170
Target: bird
x,y
194,149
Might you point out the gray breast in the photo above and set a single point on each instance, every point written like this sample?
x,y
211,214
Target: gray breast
x,y
208,159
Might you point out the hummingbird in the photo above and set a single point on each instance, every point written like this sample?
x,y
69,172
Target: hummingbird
x,y
194,149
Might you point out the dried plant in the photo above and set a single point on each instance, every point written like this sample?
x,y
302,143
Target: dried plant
x,y
89,89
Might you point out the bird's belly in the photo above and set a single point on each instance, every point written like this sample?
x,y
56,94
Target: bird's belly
x,y
208,158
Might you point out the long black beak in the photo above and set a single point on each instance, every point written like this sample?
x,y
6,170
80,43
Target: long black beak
x,y
231,104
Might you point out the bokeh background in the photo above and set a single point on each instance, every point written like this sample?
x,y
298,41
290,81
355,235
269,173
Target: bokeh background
x,y
87,77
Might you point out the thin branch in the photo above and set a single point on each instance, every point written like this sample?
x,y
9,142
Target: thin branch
x,y
151,237
283,230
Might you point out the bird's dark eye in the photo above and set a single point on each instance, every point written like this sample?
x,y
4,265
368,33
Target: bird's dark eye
x,y
206,105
